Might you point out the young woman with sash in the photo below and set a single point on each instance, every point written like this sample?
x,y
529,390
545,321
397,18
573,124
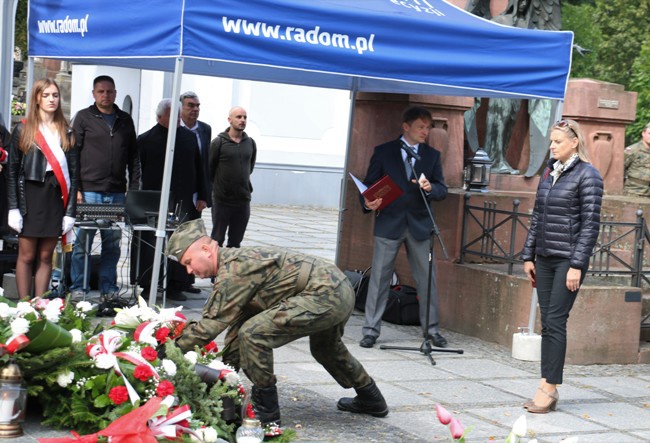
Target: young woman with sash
x,y
42,185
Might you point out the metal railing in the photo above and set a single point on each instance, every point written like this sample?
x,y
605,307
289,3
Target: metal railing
x,y
500,238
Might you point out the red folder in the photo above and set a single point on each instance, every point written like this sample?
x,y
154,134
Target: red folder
x,y
384,188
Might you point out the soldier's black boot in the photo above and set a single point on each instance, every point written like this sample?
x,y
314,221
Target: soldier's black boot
x,y
265,405
368,401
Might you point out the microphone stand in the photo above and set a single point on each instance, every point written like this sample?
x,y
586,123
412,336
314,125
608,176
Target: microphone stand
x,y
427,347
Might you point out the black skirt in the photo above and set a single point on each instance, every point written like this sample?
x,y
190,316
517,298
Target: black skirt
x,y
44,215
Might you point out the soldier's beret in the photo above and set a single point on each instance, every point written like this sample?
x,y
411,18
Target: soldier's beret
x,y
186,234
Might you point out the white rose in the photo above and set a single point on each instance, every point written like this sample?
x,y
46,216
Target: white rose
x,y
218,365
232,378
19,326
52,312
24,308
105,361
65,378
169,367
209,435
77,335
5,310
84,306
191,356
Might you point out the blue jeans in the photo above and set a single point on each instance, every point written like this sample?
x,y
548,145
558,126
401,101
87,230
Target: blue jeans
x,y
110,254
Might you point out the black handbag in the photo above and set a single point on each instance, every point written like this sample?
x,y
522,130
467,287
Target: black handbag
x,y
402,307
359,280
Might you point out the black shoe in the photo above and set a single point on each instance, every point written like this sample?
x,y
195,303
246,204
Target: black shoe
x,y
368,341
265,405
192,289
437,340
368,401
175,294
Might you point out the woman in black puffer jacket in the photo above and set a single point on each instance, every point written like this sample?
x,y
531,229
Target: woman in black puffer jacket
x,y
562,236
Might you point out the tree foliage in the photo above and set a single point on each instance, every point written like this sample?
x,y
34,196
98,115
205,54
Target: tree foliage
x,y
615,33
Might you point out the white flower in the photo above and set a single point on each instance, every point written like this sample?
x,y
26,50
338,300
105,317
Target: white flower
x,y
570,440
2,291
191,356
232,378
52,311
23,308
519,428
209,435
19,326
169,367
77,335
6,311
105,361
84,306
65,378
128,317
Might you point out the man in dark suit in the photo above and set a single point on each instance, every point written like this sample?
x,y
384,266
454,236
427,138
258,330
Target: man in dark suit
x,y
404,221
190,109
186,181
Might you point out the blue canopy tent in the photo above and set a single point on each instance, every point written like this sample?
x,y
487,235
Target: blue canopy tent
x,y
398,46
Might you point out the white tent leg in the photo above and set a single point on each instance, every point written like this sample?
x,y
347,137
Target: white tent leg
x,y
167,177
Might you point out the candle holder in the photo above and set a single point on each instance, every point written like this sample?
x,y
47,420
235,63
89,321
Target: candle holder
x,y
477,172
12,401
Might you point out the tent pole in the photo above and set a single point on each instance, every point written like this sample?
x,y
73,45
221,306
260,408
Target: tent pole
x,y
344,179
167,174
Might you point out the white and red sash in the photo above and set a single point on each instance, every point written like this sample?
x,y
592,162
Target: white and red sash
x,y
60,177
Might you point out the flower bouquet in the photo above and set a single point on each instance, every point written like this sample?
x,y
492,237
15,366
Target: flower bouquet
x,y
130,363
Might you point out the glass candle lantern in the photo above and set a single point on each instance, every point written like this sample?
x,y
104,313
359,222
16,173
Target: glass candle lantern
x,y
12,401
250,431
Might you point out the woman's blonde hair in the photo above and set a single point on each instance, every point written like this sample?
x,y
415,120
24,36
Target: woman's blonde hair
x,y
572,129
33,120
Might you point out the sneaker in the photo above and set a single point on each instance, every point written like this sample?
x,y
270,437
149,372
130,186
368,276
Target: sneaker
x,y
78,295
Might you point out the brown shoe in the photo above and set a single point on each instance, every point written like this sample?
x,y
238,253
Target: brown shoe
x,y
535,409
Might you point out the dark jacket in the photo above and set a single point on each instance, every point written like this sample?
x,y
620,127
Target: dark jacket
x,y
231,166
566,217
205,134
187,171
32,167
105,154
409,210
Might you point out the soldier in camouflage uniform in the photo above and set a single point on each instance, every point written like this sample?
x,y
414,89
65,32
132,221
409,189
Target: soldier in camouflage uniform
x,y
269,297
637,166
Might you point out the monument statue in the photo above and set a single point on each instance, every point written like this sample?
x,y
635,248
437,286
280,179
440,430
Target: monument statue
x,y
502,113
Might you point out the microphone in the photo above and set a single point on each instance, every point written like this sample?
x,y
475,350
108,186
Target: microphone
x,y
410,152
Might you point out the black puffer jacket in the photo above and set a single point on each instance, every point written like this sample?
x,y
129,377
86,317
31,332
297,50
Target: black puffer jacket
x,y
566,217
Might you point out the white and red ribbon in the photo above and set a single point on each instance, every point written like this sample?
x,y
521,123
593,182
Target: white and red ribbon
x,y
108,343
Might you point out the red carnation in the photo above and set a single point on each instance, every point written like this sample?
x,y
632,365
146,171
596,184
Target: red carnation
x,y
149,353
143,372
165,388
211,347
118,395
162,334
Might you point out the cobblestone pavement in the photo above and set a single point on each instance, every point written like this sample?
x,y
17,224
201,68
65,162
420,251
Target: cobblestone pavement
x,y
484,387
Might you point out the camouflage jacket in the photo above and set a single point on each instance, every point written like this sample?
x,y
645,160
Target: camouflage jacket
x,y
637,170
250,280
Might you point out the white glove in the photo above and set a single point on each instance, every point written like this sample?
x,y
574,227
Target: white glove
x,y
68,224
15,220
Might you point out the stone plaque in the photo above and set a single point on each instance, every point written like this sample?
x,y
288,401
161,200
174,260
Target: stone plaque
x,y
607,103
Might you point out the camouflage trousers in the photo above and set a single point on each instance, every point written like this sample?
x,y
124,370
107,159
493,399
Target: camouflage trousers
x,y
320,316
